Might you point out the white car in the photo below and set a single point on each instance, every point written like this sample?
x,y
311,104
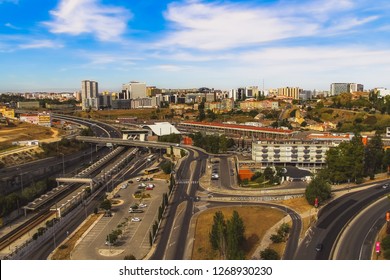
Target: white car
x,y
138,179
135,219
142,205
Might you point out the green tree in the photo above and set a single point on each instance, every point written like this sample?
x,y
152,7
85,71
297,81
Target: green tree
x,y
318,188
218,234
106,204
268,173
166,167
386,254
235,237
385,244
373,157
276,238
269,254
345,162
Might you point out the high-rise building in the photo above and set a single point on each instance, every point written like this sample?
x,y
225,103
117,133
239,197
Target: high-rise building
x,y
133,90
89,95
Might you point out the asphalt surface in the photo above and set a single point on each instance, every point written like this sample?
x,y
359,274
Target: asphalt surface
x,y
172,240
332,219
360,235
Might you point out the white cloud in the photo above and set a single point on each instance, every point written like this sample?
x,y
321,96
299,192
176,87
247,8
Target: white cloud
x,y
10,25
214,26
40,44
168,67
77,17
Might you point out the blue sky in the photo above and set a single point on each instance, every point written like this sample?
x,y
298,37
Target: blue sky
x,y
51,45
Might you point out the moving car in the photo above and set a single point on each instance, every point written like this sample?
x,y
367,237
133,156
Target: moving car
x,y
319,247
135,219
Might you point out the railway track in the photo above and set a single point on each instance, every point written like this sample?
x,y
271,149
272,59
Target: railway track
x,y
24,228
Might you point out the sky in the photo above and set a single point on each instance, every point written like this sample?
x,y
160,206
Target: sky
x,y
52,45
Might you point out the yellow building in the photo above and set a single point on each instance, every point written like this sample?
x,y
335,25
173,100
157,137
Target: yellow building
x,y
292,92
7,112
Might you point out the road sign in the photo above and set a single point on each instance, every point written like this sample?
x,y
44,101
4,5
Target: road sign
x,y
377,247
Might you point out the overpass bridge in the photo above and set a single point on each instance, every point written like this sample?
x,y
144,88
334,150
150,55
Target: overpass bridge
x,y
89,181
122,142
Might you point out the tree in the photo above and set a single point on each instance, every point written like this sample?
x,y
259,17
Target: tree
x,y
385,244
276,238
268,173
218,234
269,254
345,162
106,204
166,167
373,156
235,237
318,188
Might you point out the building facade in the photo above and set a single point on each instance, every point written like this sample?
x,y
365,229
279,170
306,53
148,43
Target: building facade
x,y
133,90
310,154
89,95
337,88
289,92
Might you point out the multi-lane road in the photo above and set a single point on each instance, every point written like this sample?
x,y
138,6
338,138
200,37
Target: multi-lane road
x,y
332,219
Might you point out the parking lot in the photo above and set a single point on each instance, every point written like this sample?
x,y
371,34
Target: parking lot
x,y
135,226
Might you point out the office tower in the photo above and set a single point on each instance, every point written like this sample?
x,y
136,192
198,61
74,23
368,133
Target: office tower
x,y
133,90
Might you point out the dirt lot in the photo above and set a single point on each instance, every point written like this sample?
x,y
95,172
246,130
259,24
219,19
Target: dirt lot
x,y
24,131
257,221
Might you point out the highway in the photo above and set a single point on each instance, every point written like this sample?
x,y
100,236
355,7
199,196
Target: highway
x,y
332,219
176,226
358,239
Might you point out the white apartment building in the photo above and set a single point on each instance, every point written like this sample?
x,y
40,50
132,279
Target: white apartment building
x,y
299,153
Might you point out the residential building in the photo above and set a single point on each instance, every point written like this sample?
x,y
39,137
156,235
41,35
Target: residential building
x,y
251,92
28,105
289,92
299,153
253,104
382,92
89,95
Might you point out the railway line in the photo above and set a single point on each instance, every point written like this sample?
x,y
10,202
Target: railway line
x,y
24,228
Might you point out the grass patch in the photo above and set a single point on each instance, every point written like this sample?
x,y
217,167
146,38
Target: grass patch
x,y
257,221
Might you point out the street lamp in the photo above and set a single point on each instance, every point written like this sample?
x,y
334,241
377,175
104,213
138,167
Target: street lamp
x,y
21,178
63,164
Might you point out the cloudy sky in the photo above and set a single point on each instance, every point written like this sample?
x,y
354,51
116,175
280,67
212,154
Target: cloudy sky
x,y
54,44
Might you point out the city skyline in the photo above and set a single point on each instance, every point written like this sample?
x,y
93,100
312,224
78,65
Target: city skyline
x,y
188,44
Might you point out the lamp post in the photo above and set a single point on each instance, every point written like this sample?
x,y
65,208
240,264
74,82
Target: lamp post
x,y
63,164
91,153
21,178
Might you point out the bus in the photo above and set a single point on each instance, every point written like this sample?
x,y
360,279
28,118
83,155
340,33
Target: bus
x,y
151,170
